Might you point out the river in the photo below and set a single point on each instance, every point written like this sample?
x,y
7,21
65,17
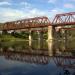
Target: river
x,y
17,58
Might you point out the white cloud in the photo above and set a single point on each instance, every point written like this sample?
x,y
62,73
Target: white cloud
x,y
36,12
8,14
52,1
5,3
25,5
55,11
69,5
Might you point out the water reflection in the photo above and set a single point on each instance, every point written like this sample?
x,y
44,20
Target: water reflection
x,y
20,52
65,62
29,58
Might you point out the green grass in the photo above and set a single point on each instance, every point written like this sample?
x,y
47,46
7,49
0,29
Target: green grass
x,y
10,38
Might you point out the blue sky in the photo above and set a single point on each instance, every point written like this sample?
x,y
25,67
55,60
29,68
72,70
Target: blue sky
x,y
19,9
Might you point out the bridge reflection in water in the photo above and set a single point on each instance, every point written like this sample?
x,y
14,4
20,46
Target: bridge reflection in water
x,y
21,52
65,62
29,58
40,58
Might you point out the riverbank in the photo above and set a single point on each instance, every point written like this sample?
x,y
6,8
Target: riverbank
x,y
10,38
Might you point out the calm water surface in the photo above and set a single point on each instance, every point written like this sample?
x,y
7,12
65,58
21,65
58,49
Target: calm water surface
x,y
17,58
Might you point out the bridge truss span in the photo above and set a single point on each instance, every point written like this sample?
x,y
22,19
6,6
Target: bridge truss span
x,y
64,19
36,22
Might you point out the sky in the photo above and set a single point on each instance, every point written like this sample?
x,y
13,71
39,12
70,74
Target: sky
x,y
11,10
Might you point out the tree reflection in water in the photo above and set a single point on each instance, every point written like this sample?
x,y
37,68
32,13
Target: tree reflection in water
x,y
39,56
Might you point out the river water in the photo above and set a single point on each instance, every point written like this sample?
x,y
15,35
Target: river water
x,y
17,58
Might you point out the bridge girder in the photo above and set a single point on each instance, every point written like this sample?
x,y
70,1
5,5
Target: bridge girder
x,y
36,22
64,19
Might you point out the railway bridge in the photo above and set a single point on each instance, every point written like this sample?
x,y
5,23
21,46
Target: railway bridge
x,y
42,24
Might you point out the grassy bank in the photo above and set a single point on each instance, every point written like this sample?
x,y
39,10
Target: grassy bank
x,y
10,38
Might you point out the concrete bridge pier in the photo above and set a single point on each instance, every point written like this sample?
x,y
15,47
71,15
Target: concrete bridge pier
x,y
30,38
51,30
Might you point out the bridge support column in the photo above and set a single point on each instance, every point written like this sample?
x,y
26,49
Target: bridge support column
x,y
51,31
30,38
40,39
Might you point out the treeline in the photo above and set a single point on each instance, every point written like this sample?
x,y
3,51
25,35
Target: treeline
x,y
24,35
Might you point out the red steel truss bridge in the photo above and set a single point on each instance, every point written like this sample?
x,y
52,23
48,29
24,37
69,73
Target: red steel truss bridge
x,y
40,22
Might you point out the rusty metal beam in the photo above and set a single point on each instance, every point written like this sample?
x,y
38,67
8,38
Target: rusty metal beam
x,y
64,19
37,22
